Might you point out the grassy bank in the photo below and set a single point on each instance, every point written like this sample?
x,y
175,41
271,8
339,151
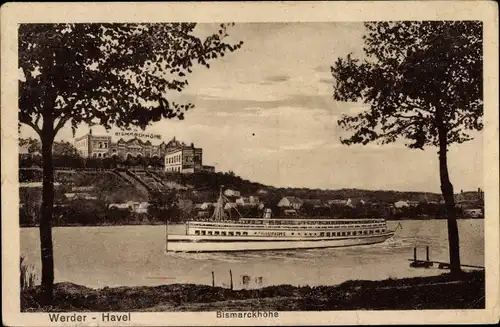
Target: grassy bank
x,y
438,292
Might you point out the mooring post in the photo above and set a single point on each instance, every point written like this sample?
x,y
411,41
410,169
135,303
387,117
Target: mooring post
x,y
213,279
415,254
166,236
427,254
231,278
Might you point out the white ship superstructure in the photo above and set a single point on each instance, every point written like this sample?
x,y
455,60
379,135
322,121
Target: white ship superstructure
x,y
267,233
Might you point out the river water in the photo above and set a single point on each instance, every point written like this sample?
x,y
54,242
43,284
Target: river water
x,y
134,255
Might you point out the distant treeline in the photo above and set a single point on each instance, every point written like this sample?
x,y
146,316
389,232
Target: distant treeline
x,y
97,212
207,186
76,161
107,188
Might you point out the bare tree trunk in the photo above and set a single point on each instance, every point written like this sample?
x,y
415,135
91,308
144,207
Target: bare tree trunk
x,y
47,257
448,195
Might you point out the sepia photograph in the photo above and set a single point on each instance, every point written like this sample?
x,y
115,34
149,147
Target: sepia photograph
x,y
243,170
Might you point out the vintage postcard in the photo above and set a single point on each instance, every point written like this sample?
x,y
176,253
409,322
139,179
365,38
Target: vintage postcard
x,y
274,163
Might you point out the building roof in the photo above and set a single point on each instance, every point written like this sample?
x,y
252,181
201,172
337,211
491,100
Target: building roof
x,y
312,201
294,200
337,201
468,196
173,143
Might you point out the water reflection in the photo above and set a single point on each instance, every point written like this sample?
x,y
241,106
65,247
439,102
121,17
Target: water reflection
x,y
135,255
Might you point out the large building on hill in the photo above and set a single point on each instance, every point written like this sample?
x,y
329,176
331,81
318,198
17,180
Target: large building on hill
x,y
101,146
186,160
178,157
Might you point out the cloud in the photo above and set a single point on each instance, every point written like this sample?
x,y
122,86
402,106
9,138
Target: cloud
x,y
304,146
236,105
323,69
277,78
327,81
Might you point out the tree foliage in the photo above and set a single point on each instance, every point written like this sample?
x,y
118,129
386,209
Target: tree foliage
x,y
164,205
421,81
109,74
64,148
112,74
32,145
412,72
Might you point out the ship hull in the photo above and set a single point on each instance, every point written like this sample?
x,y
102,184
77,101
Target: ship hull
x,y
191,243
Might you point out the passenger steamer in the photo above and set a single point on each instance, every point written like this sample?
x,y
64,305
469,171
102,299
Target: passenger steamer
x,y
267,233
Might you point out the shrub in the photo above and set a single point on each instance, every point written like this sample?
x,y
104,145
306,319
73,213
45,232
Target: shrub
x,y
28,275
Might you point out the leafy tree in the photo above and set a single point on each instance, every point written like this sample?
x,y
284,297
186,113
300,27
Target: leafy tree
x,y
31,200
163,205
33,145
110,74
66,155
64,149
422,82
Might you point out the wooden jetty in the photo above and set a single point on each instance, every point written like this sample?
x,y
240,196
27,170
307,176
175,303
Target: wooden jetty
x,y
427,263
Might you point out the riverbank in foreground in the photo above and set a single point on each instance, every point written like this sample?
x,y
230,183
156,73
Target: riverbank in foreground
x,y
437,292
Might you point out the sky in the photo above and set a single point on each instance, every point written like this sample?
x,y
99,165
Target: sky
x,y
266,112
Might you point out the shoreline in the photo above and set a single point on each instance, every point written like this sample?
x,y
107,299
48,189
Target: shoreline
x,y
161,223
435,292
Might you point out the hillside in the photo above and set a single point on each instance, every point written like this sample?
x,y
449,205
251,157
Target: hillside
x,y
367,195
207,185
113,196
106,185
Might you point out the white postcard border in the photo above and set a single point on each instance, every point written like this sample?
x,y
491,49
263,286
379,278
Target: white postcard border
x,y
14,13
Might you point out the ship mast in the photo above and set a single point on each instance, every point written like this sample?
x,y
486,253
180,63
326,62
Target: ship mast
x,y
219,214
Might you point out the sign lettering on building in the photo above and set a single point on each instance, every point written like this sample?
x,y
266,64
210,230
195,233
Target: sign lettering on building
x,y
138,134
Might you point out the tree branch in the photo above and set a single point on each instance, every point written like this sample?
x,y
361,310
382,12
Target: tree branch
x,y
403,116
62,121
33,125
398,130
412,105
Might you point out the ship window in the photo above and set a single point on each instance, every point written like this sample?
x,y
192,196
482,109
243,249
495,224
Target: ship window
x,y
377,231
365,232
203,232
293,233
216,233
327,234
383,230
321,234
238,233
348,233
223,233
343,233
196,232
245,233
231,233
371,232
209,233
